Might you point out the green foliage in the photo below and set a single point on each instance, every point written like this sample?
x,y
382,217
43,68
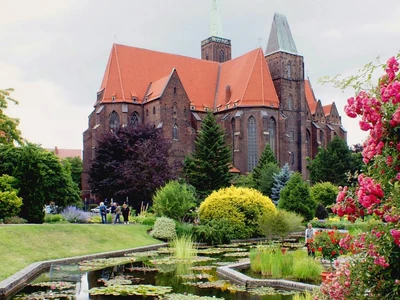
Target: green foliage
x,y
14,220
296,197
207,169
184,247
267,157
10,203
56,218
325,193
40,178
280,224
75,168
174,200
280,180
215,231
243,208
321,212
184,229
267,178
9,132
332,164
164,229
246,181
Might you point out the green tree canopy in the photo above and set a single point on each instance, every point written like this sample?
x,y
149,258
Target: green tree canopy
x,y
296,197
40,178
325,193
9,132
75,165
280,180
332,164
207,169
267,178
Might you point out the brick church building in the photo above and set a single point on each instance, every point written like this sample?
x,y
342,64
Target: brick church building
x,y
258,98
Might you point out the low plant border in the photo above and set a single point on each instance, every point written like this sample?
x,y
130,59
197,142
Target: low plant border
x,y
16,282
229,272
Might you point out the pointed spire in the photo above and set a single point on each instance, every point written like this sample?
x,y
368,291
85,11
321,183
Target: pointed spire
x,y
215,22
280,37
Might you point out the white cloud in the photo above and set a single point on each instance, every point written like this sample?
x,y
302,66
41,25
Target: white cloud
x,y
332,34
46,116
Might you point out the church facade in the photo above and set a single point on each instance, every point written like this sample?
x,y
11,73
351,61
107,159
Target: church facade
x,y
258,98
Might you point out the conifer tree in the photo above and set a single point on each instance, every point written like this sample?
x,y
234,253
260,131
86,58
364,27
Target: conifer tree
x,y
267,178
267,156
296,197
280,181
207,169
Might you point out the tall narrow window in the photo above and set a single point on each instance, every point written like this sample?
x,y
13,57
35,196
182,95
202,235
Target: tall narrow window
x,y
322,138
175,134
174,90
154,110
272,134
134,119
308,143
233,128
252,154
291,154
114,120
147,112
290,103
221,56
289,70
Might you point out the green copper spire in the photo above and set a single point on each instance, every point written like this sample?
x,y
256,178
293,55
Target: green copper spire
x,y
280,37
215,22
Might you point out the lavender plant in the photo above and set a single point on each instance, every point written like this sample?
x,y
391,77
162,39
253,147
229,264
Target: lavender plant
x,y
74,215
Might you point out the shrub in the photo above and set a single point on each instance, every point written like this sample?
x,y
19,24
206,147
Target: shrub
x,y
74,215
280,224
241,207
49,218
164,229
10,203
244,181
216,231
184,229
14,220
97,219
184,248
148,219
321,212
174,200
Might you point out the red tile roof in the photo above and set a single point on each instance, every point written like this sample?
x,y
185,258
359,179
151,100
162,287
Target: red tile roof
x,y
312,102
327,109
139,72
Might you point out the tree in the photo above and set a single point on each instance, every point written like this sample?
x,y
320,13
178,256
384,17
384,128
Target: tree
x,y
75,165
280,181
325,193
131,162
40,179
296,197
207,169
9,132
267,178
332,164
267,156
244,181
10,203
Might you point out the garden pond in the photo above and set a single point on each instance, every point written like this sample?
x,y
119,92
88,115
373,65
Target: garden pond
x,y
150,275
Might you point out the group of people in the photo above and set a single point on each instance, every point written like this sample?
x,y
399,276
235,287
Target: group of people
x,y
116,212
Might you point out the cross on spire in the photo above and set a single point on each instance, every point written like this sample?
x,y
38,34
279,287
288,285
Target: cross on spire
x,y
215,22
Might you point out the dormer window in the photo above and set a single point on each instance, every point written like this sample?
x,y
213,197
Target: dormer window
x,y
134,99
192,107
113,98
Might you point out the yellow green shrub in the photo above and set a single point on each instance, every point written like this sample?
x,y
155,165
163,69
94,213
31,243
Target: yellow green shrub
x,y
240,207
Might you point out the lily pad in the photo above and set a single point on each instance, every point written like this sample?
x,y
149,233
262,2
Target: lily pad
x,y
101,263
120,280
187,297
268,291
55,285
219,284
67,294
131,290
170,260
237,254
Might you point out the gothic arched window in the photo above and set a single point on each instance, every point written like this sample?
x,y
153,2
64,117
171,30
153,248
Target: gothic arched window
x,y
252,155
233,128
290,103
289,70
175,134
322,138
154,110
134,119
114,120
221,56
272,134
308,143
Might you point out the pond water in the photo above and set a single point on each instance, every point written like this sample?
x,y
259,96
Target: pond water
x,y
154,274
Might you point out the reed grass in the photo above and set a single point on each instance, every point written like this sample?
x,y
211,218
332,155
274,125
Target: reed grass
x,y
184,247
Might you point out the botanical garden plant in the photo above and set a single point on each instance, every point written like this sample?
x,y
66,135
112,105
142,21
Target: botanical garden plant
x,y
374,272
74,215
242,207
327,243
164,228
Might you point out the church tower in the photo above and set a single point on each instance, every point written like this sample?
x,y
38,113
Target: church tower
x,y
287,71
216,47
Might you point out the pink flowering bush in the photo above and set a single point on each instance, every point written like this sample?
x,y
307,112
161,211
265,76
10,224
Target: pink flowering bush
x,y
373,271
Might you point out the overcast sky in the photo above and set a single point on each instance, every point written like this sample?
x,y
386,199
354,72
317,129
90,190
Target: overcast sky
x,y
54,52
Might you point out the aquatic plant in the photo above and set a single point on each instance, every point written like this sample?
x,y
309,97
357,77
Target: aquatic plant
x,y
131,290
184,247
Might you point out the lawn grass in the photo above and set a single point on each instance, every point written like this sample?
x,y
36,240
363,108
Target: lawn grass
x,y
21,245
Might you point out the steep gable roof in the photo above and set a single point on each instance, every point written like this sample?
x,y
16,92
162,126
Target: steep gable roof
x,y
312,102
327,109
156,88
280,36
249,81
132,69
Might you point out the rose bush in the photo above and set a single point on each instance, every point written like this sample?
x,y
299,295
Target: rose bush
x,y
327,243
373,272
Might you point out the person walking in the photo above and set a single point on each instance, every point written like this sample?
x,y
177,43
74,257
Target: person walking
x,y
103,213
125,213
118,213
309,238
